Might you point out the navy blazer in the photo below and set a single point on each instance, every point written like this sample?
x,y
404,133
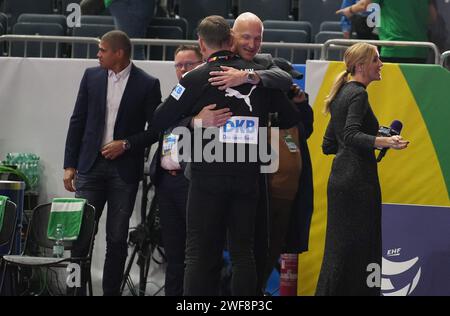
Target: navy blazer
x,y
84,139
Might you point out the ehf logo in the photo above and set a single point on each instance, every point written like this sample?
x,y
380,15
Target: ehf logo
x,y
399,278
394,252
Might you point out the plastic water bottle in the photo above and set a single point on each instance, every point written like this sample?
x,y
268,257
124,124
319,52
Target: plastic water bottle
x,y
58,248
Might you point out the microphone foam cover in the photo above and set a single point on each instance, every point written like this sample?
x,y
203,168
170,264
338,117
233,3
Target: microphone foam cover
x,y
397,126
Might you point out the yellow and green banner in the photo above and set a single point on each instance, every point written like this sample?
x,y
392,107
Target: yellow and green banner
x,y
418,96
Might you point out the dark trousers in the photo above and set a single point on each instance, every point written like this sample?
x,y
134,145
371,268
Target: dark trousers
x,y
101,185
279,216
218,205
133,18
172,192
261,242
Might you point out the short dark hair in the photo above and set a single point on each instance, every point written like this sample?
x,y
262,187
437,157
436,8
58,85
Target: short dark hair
x,y
194,48
118,40
215,31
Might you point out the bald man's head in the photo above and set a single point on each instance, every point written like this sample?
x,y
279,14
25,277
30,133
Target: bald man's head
x,y
247,30
247,17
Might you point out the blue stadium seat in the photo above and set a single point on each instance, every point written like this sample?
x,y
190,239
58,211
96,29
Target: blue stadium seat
x,y
287,36
267,9
195,10
4,22
97,19
94,20
330,26
44,18
317,11
178,22
89,30
230,22
289,25
164,32
33,48
324,36
3,31
16,7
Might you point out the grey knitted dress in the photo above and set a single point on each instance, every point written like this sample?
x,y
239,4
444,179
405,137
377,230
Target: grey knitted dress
x,y
353,239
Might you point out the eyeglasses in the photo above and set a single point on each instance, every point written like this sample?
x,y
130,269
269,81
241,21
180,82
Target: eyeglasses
x,y
187,65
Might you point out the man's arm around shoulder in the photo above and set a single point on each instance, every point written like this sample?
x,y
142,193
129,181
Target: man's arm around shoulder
x,y
273,77
178,105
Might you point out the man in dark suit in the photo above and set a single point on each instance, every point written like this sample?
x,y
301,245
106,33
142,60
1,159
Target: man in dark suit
x,y
167,175
104,154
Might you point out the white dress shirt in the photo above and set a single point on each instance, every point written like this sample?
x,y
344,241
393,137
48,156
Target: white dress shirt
x,y
116,86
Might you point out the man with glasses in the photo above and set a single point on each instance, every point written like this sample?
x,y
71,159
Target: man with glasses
x,y
187,57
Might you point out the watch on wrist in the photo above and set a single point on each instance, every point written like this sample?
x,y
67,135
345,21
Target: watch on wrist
x,y
126,145
251,77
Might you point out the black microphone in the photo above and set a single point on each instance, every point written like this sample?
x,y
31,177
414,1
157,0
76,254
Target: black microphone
x,y
395,129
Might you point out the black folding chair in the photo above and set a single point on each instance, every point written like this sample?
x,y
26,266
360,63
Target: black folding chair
x,y
8,234
38,250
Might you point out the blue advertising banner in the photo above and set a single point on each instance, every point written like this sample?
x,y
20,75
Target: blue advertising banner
x,y
301,69
416,250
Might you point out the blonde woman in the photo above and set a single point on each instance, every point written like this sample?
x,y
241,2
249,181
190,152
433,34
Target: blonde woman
x,y
353,238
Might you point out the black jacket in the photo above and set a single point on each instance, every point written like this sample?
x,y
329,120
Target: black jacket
x,y
297,238
195,92
84,138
